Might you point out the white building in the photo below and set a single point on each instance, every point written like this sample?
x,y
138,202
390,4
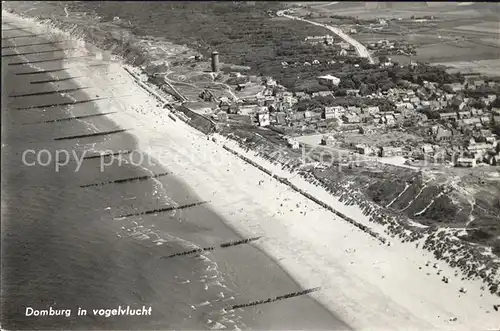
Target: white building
x,y
328,80
263,119
294,144
333,112
466,162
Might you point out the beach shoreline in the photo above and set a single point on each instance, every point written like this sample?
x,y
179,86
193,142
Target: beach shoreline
x,y
200,225
316,252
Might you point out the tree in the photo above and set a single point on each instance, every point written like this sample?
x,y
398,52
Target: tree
x,y
383,58
496,102
341,93
496,130
347,83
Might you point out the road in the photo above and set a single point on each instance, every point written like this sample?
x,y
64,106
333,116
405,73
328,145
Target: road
x,y
360,49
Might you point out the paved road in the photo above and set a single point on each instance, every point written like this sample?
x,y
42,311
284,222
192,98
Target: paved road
x,y
360,49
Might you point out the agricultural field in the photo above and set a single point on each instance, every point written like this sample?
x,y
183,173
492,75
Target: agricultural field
x,y
445,33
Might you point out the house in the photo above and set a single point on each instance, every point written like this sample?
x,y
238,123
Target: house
x,y
328,80
345,45
486,100
263,119
270,82
333,112
365,150
365,129
451,88
464,114
490,139
224,104
427,149
404,105
448,96
465,162
289,100
354,109
325,93
222,116
308,114
387,151
371,110
434,104
485,120
298,116
315,116
352,92
328,140
280,118
272,118
294,144
469,122
234,109
485,133
269,100
476,112
415,101
260,100
492,159
479,82
448,116
443,134
350,118
481,147
300,95
388,120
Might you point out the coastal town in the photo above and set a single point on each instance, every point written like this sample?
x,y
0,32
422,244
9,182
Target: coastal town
x,y
453,120
302,165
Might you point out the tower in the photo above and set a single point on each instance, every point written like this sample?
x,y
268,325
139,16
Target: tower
x,y
215,61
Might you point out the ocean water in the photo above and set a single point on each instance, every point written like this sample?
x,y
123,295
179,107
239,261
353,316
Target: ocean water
x,y
68,247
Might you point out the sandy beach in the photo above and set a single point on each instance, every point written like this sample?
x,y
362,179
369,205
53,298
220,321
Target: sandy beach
x,y
369,285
